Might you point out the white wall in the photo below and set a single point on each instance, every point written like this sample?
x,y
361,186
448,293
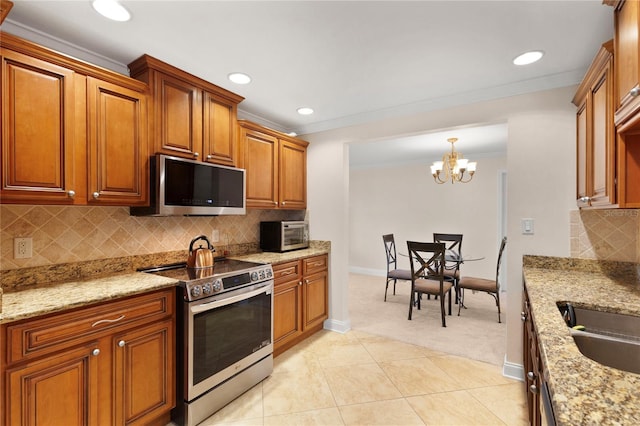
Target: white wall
x,y
406,202
541,185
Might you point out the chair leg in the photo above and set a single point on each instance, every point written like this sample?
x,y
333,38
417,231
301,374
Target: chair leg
x,y
411,302
442,314
460,299
449,301
386,287
498,303
394,286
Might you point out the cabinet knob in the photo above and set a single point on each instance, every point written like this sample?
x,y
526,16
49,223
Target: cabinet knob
x,y
121,343
533,389
95,352
71,193
196,154
209,157
306,281
523,316
530,375
635,91
284,202
96,195
299,282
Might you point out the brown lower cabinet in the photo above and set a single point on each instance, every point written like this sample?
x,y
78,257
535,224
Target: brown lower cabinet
x,y
109,364
300,300
538,398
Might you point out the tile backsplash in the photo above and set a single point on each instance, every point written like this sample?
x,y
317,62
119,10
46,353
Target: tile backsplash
x,y
611,234
63,234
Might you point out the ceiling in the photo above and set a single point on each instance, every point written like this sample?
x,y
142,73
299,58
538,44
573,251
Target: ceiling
x,y
351,61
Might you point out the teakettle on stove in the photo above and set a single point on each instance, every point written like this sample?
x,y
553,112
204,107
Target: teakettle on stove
x,y
200,257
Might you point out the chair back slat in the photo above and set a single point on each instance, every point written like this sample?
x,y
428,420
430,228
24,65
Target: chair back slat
x,y
502,246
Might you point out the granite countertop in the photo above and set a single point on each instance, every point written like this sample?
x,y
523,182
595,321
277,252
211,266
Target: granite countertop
x,y
54,293
582,390
39,300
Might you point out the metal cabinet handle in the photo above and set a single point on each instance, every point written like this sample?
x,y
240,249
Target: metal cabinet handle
x,y
71,193
95,352
96,194
196,154
523,316
287,272
121,343
635,91
209,157
533,389
107,321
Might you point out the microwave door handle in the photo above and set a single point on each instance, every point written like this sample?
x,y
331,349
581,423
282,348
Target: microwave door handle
x,y
222,302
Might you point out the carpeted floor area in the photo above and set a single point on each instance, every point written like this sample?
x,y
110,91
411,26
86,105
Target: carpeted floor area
x,y
475,334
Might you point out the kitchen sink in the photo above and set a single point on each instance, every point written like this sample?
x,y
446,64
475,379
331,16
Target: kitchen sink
x,y
608,338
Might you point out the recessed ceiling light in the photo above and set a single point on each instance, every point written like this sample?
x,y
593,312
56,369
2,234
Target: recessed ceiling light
x,y
528,57
305,111
111,9
239,78
294,134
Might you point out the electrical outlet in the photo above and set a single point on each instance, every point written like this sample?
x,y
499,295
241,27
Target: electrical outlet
x,y
215,236
22,248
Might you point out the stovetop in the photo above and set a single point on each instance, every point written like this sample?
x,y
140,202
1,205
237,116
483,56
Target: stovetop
x,y
224,275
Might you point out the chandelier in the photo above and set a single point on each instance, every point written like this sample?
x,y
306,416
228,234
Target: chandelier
x,y
453,167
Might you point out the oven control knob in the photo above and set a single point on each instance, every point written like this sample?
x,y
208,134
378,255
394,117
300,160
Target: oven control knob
x,y
254,276
206,289
196,291
269,273
217,285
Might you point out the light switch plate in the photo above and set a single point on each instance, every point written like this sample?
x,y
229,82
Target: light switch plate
x,y
527,226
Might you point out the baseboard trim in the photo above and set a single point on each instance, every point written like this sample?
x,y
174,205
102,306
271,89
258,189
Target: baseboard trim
x,y
512,370
368,271
338,326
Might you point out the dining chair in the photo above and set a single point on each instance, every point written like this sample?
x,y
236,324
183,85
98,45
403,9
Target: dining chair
x,y
393,273
427,274
491,287
453,246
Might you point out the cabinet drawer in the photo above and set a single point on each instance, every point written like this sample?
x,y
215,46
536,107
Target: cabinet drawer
x,y
41,336
285,272
314,264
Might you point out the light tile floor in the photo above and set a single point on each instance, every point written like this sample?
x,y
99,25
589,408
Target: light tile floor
x,y
362,379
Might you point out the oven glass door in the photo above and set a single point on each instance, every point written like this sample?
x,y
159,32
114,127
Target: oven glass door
x,y
228,332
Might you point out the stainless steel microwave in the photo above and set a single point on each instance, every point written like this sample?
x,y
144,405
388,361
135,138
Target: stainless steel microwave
x,y
283,235
181,187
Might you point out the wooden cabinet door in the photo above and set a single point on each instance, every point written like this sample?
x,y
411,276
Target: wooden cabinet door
x,y
627,57
117,144
57,390
144,369
287,312
178,117
219,131
261,165
316,301
39,158
293,175
581,150
603,141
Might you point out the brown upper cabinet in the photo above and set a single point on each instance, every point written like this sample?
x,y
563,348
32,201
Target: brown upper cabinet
x,y
627,58
596,133
627,100
276,168
191,117
90,143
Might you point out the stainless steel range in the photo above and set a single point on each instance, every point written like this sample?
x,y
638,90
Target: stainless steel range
x,y
224,336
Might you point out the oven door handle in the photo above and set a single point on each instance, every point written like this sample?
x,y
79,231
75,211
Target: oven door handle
x,y
222,302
